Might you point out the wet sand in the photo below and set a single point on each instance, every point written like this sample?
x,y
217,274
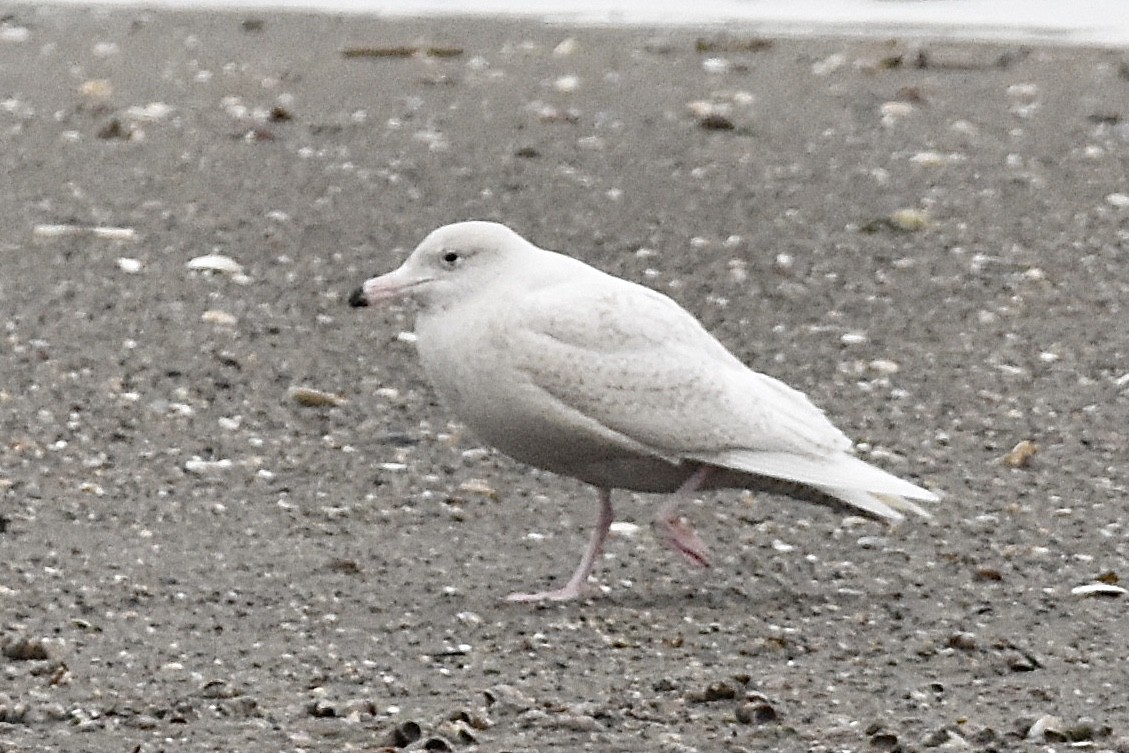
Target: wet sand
x,y
929,239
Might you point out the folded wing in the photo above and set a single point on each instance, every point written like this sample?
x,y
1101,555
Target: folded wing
x,y
638,364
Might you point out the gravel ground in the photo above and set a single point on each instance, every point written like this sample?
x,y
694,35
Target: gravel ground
x,y
929,239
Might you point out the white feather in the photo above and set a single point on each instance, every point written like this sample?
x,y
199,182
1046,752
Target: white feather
x,y
842,476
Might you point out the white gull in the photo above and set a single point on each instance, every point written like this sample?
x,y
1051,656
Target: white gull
x,y
572,370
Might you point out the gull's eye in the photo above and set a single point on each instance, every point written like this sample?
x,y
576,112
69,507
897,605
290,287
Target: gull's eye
x,y
450,258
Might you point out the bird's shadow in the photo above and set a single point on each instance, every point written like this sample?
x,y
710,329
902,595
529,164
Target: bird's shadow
x,y
775,597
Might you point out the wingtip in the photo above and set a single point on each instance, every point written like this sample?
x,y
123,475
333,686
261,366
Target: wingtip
x,y
900,504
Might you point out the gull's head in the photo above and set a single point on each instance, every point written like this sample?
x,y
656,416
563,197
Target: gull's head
x,y
451,262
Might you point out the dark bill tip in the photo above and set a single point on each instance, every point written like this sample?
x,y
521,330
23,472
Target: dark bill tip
x,y
357,298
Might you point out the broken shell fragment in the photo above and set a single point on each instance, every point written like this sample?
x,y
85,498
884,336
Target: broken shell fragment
x,y
480,487
401,736
203,467
312,398
567,46
756,712
1045,729
1099,589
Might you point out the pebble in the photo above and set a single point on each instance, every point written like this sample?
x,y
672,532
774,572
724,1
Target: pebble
x,y
910,220
829,64
716,123
12,33
704,108
963,641
882,738
884,366
624,528
1022,662
506,699
716,691
12,712
928,159
1020,456
25,649
756,712
129,265
945,739
892,112
105,49
321,709
567,84
566,47
469,618
715,65
97,88
1023,91
458,732
219,689
151,112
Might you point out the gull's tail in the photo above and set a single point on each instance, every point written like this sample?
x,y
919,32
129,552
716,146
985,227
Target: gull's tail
x,y
842,477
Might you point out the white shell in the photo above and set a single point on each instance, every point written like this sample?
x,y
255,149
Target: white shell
x,y
216,316
200,466
1098,589
129,265
215,263
105,232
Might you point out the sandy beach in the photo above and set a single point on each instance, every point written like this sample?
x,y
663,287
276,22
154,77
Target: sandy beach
x,y
928,238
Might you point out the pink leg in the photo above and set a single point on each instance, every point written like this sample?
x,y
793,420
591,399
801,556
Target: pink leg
x,y
575,585
672,529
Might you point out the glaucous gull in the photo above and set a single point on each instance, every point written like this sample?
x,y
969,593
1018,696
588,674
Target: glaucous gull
x,y
572,370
